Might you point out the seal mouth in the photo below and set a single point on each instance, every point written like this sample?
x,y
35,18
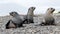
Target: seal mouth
x,y
33,7
52,10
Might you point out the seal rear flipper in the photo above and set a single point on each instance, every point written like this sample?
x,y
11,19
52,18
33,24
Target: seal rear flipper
x,y
7,25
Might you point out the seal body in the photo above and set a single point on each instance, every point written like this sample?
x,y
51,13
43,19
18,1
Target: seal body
x,y
48,18
15,21
30,14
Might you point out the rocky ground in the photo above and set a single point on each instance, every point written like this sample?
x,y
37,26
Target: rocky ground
x,y
30,28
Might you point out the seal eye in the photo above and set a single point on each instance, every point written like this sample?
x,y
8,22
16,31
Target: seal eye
x,y
51,8
32,7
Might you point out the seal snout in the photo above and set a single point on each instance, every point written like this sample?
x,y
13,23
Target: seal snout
x,y
33,8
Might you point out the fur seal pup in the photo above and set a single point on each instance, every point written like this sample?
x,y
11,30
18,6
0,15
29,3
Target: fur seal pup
x,y
16,21
48,18
29,16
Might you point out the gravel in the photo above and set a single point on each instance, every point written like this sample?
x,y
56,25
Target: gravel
x,y
33,28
